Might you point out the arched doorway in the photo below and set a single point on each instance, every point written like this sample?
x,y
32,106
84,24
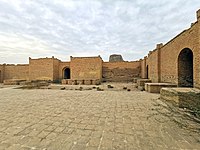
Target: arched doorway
x,y
185,68
66,73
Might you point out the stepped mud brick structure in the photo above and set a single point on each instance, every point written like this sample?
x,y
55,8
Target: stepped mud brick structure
x,y
175,62
115,58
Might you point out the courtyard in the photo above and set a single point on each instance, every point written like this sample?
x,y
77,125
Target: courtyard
x,y
69,119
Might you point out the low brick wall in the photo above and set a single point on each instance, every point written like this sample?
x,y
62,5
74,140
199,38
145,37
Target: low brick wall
x,y
141,83
156,87
12,81
182,97
80,82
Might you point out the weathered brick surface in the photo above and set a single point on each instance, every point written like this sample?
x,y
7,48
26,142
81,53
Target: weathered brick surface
x,y
144,68
171,51
1,73
41,69
56,65
163,61
86,68
15,72
121,71
183,97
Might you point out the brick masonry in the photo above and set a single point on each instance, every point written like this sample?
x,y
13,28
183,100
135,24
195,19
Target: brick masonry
x,y
86,68
163,61
121,71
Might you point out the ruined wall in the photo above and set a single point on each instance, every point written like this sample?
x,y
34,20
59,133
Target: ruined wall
x,y
41,69
86,68
121,71
62,66
16,72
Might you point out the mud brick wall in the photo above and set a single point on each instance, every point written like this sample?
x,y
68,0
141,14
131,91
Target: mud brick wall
x,y
121,71
86,68
16,72
144,68
41,69
170,53
1,73
153,62
153,66
163,61
56,64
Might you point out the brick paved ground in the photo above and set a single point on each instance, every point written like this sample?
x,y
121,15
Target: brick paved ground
x,y
78,120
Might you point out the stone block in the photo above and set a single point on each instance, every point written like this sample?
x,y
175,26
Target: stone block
x,y
182,97
135,80
70,82
12,81
23,83
141,82
95,82
74,82
64,81
80,82
156,87
87,82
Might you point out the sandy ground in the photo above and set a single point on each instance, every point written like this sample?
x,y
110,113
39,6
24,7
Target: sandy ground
x,y
53,119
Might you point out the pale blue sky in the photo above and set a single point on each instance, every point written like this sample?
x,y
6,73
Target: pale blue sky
x,y
61,28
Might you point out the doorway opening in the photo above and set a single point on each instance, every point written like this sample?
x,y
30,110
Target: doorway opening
x,y
66,73
185,68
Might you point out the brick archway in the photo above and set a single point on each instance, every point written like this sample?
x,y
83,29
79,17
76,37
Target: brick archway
x,y
185,68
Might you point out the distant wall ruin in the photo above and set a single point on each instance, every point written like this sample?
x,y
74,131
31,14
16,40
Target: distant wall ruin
x,y
121,71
